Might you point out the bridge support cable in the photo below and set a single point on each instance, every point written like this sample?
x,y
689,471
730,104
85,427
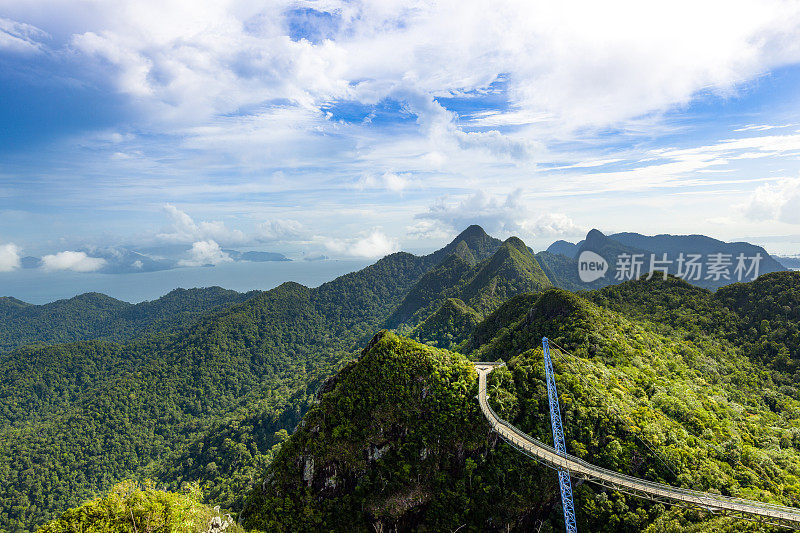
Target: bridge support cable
x,y
558,441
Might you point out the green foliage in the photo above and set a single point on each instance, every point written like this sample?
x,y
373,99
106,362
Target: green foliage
x,y
769,320
78,417
97,316
427,294
762,318
229,456
130,508
660,384
448,326
511,270
398,441
395,439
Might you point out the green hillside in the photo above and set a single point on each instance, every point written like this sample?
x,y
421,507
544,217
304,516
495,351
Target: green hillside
x,y
449,326
380,448
97,316
394,440
761,317
78,417
398,441
482,287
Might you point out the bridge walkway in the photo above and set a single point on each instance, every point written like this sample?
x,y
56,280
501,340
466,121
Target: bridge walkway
x,y
580,469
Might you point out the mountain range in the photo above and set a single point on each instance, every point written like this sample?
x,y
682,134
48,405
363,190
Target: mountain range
x,y
658,379
619,248
295,411
95,316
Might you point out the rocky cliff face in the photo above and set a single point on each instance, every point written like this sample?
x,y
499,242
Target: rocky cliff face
x,y
397,444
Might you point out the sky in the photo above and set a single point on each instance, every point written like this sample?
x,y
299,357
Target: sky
x,y
349,129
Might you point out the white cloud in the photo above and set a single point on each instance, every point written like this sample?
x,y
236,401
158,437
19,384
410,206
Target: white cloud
x,y
391,181
553,225
70,260
778,201
20,37
279,230
376,244
573,63
429,229
205,253
371,245
183,229
220,89
496,214
9,257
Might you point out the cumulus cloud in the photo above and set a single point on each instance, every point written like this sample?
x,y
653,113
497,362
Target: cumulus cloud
x,y
71,260
247,88
9,257
779,201
497,214
279,230
553,225
205,253
183,229
576,63
369,246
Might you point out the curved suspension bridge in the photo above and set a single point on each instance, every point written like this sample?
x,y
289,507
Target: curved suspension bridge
x,y
570,466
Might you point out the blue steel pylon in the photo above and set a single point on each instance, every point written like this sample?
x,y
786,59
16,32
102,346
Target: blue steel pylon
x,y
558,441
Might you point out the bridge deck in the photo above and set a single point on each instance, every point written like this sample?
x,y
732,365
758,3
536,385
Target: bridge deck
x,y
578,468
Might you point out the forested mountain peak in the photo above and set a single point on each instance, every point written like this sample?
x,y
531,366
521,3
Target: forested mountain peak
x,y
214,402
473,233
564,248
479,243
510,270
381,449
594,236
382,460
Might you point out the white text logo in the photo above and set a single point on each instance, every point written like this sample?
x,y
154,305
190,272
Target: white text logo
x,y
591,266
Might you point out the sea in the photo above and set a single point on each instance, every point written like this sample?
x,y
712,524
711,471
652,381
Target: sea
x,y
37,286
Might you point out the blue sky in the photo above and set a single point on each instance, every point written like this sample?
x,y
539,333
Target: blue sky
x,y
353,129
